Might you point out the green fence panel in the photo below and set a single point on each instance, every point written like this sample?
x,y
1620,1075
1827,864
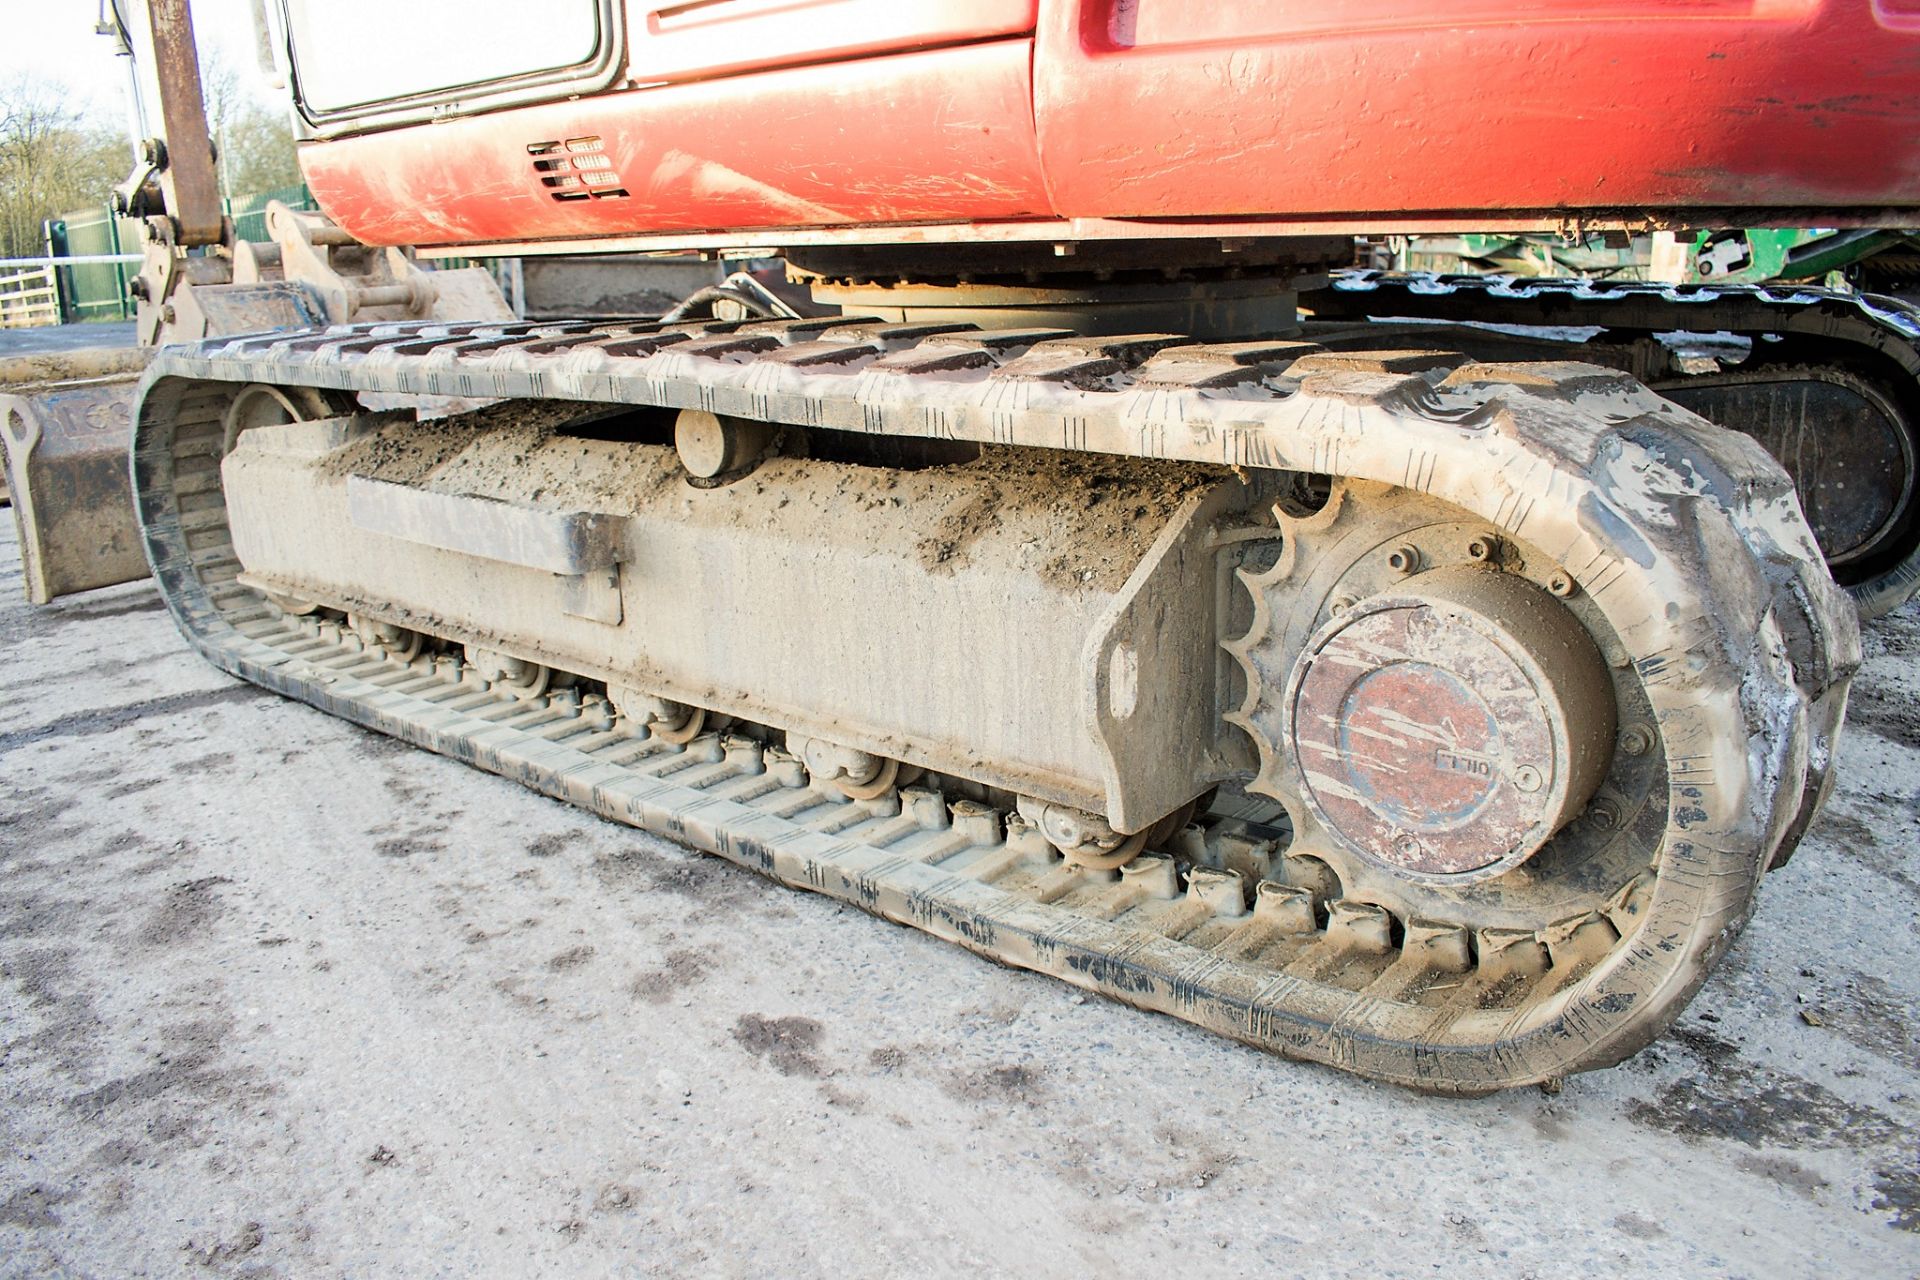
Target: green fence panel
x,y
95,290
249,213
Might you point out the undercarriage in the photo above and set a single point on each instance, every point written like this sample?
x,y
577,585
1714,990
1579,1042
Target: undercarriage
x,y
1378,702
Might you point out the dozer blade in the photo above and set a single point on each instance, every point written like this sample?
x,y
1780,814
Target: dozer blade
x,y
64,422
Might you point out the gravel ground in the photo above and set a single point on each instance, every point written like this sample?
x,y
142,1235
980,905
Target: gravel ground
x,y
66,337
284,998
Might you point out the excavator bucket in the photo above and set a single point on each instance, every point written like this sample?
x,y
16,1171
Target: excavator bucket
x,y
64,424
64,418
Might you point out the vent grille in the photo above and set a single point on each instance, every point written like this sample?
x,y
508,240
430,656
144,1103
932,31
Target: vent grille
x,y
575,169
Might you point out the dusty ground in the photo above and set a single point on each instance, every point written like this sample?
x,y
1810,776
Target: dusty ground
x,y
66,337
281,997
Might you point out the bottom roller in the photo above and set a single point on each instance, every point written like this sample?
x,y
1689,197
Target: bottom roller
x,y
1430,719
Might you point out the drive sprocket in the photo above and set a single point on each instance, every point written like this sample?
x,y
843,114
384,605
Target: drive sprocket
x,y
1457,732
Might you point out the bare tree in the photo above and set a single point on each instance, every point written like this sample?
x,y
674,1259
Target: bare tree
x,y
258,153
254,143
53,160
56,159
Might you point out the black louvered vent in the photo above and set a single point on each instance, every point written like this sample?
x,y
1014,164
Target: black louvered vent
x,y
575,169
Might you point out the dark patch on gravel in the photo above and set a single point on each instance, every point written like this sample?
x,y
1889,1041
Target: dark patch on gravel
x,y
889,1058
1892,637
1868,1012
1787,1173
186,1086
371,745
702,879
186,910
1857,838
1845,828
35,915
1706,1046
33,1206
64,1024
108,671
681,969
221,1252
554,842
1885,711
46,622
1731,1099
1640,1228
786,1044
1898,1193
115,1152
1004,1082
69,614
571,958
41,973
405,846
32,821
89,724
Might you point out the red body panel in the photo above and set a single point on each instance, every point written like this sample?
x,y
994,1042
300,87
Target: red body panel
x,y
943,135
1347,113
1351,106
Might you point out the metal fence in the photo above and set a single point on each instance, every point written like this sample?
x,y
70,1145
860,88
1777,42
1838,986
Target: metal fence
x,y
28,297
94,290
249,213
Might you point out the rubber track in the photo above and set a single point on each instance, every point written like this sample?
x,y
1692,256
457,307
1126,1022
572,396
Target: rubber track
x,y
1686,535
1886,326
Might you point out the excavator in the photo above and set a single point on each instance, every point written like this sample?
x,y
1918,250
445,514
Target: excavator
x,y
1062,550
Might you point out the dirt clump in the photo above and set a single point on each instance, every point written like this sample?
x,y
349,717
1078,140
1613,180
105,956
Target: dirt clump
x,y
786,1044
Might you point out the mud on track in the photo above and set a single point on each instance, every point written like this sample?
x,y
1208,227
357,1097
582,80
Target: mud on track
x,y
279,997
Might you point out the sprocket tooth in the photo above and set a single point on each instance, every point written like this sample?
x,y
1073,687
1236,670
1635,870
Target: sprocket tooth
x,y
1265,632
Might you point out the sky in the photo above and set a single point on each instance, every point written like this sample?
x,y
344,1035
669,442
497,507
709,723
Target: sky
x,y
55,39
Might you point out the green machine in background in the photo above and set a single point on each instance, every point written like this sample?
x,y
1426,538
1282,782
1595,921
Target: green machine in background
x,y
1869,261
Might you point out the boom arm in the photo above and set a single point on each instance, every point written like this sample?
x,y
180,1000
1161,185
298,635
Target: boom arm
x,y
179,159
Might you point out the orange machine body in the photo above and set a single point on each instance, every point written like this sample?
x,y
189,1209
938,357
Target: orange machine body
x,y
794,121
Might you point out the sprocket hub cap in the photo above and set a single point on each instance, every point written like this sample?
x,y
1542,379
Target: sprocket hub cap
x,y
1450,729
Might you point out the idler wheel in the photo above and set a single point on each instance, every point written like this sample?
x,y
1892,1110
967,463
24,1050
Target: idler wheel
x,y
1451,729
